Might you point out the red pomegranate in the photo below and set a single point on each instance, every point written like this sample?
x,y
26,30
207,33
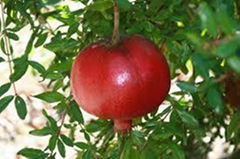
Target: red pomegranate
x,y
120,82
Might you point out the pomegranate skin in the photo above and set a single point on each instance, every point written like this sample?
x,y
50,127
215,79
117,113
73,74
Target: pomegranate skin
x,y
120,82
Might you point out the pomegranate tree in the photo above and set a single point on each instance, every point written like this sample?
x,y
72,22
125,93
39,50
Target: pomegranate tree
x,y
121,81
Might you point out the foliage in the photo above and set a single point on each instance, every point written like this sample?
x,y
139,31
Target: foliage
x,y
199,38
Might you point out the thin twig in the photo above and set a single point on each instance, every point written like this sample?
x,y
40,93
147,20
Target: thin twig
x,y
223,77
59,130
62,122
50,28
7,45
115,35
215,43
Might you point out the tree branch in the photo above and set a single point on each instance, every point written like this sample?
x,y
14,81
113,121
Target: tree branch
x,y
7,46
115,35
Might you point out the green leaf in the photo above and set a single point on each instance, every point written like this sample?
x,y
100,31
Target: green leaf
x,y
88,155
4,88
208,19
4,102
226,21
214,98
100,5
166,130
86,136
19,6
188,118
66,140
126,150
41,39
51,2
51,122
20,68
29,46
41,132
37,66
12,36
95,126
201,66
82,145
20,107
53,76
161,135
134,153
75,113
138,137
104,23
124,4
187,86
62,45
177,151
50,97
58,84
233,126
32,153
52,142
72,29
64,66
195,39
3,46
154,7
61,148
1,59
227,48
234,62
175,129
148,153
135,28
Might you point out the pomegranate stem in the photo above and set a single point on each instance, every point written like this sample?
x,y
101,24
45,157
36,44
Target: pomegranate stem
x,y
115,35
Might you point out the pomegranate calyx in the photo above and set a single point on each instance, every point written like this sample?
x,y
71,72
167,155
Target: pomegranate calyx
x,y
122,126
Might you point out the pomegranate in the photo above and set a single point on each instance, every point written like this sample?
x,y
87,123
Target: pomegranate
x,y
122,81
